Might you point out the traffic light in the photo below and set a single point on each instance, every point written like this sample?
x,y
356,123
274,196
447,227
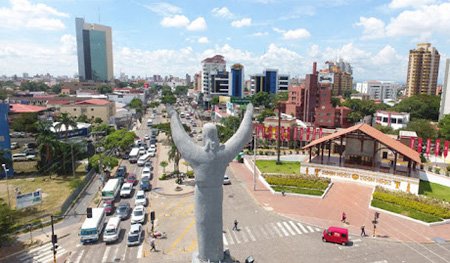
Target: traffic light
x,y
89,212
54,239
377,215
152,216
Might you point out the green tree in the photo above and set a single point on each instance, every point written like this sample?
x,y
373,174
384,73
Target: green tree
x,y
34,86
121,139
3,94
420,107
104,89
335,101
264,114
153,104
228,127
174,155
181,90
25,122
5,158
261,99
354,116
164,164
47,143
136,104
56,88
83,118
214,100
107,161
98,120
103,127
8,218
423,128
444,127
66,121
385,129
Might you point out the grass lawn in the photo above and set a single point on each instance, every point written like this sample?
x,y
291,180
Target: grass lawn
x,y
297,190
55,191
25,167
405,211
270,166
434,190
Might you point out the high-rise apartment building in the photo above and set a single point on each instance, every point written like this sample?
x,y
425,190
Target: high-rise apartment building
x,y
445,96
188,79
338,75
94,49
236,80
423,69
211,66
270,81
379,90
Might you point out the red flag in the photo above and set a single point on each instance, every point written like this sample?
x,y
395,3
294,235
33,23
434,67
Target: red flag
x,y
320,133
295,133
427,150
314,134
269,132
411,142
419,145
307,134
301,134
288,134
445,149
436,147
277,133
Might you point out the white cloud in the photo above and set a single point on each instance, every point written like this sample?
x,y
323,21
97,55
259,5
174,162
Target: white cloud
x,y
23,14
259,34
296,34
203,40
397,4
387,55
199,24
314,50
422,22
372,27
242,22
68,44
164,9
175,21
222,12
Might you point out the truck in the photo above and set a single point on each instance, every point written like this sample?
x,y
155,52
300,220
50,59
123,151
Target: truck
x,y
92,228
134,155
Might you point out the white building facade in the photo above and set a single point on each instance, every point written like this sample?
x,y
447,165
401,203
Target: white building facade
x,y
395,120
379,90
211,66
445,97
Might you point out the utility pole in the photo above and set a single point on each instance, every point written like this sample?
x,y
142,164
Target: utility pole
x,y
73,160
278,134
54,240
7,186
254,161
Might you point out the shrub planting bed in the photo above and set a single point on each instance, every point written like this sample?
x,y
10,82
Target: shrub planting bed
x,y
417,207
298,184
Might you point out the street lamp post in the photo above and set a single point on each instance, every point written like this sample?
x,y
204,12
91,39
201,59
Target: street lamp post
x,y
254,161
7,186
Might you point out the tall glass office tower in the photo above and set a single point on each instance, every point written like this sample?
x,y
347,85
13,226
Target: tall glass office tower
x,y
94,48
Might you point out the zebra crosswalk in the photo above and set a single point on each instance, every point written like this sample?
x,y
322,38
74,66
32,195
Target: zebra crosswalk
x,y
42,254
266,231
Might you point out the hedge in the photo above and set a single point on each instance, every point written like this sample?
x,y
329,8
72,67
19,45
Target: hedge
x,y
412,202
297,190
405,211
302,181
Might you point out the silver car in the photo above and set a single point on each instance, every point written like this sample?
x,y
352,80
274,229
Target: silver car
x,y
134,235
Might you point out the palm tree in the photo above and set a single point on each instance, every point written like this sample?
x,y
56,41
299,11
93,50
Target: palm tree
x,y
67,121
47,143
164,164
174,155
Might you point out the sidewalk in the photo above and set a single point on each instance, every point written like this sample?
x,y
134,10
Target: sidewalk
x,y
353,199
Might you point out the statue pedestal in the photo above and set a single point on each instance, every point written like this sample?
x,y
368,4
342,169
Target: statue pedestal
x,y
226,259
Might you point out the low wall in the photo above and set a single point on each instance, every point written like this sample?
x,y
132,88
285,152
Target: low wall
x,y
393,182
434,178
89,176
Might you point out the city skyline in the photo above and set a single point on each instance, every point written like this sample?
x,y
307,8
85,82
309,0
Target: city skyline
x,y
174,37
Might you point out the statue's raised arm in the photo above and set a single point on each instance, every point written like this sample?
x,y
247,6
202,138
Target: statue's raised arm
x,y
242,136
187,147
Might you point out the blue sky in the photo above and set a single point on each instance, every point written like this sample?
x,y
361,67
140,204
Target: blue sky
x,y
152,37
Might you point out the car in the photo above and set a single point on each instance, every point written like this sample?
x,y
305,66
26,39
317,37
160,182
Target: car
x,y
145,184
126,190
29,151
121,171
140,199
147,137
199,137
14,145
194,124
17,157
109,207
335,235
226,180
148,164
134,235
138,214
146,172
152,141
123,210
142,150
31,145
131,178
125,156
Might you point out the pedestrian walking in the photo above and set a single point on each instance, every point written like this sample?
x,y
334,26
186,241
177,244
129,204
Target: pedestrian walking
x,y
363,231
152,244
344,217
235,227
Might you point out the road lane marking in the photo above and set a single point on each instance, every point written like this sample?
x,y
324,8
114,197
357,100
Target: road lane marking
x,y
224,239
140,249
289,228
250,233
244,236
180,237
302,228
264,232
318,229
235,237
115,252
192,246
310,229
295,228
356,240
105,255
125,253
230,238
276,229
282,229
78,260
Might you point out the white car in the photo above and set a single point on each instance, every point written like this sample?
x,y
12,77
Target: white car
x,y
146,172
226,179
141,199
147,137
142,150
152,152
152,147
134,235
126,189
22,157
138,215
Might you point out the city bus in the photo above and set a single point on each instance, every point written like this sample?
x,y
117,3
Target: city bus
x,y
111,189
134,155
92,227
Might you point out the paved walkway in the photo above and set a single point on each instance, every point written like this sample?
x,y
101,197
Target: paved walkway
x,y
351,198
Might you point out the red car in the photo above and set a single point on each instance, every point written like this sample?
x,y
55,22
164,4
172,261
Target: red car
x,y
109,206
335,235
131,178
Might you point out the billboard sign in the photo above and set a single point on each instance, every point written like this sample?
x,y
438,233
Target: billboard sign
x,y
326,78
29,199
238,100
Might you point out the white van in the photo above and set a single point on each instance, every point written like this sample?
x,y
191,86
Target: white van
x,y
112,230
144,158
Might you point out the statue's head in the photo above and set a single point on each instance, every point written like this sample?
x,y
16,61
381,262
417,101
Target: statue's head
x,y
210,137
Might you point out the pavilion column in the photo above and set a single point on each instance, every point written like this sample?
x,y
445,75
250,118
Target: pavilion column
x,y
341,151
374,153
321,156
395,161
329,151
310,153
409,167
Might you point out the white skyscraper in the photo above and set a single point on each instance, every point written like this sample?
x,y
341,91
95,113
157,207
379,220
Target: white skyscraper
x,y
445,96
